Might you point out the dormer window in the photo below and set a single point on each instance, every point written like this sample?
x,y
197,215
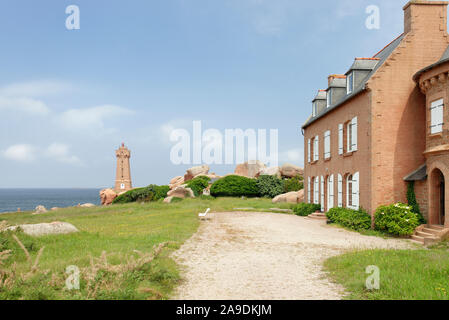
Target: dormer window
x,y
314,109
329,98
350,83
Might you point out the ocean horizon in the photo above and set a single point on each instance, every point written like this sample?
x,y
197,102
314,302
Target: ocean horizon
x,y
27,199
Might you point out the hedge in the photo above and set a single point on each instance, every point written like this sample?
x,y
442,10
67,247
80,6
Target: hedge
x,y
352,219
270,186
235,186
306,209
198,185
397,219
147,194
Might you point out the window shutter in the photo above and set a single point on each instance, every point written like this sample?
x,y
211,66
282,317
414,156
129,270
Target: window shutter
x,y
356,191
327,145
330,192
340,139
316,149
322,194
308,151
340,191
354,129
316,190
437,116
308,191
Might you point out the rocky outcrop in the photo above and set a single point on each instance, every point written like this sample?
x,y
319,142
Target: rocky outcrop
x,y
168,199
272,171
249,169
181,192
43,229
194,172
107,196
290,170
291,197
176,182
40,210
88,205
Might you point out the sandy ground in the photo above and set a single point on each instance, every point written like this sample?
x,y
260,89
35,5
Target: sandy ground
x,y
255,256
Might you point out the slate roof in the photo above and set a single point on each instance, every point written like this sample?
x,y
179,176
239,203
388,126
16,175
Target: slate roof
x,y
321,95
443,59
383,56
417,175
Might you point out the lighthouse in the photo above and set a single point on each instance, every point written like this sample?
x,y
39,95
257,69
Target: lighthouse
x,y
123,177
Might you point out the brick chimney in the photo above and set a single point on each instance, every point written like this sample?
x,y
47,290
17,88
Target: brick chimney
x,y
425,16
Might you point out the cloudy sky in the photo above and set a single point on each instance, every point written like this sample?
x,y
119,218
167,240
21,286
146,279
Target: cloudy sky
x,y
136,70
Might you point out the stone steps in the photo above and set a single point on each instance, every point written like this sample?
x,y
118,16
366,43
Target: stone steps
x,y
427,235
318,216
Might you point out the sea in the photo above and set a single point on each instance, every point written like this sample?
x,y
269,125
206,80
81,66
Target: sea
x,y
29,199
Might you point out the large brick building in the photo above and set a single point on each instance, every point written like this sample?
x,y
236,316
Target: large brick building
x,y
383,124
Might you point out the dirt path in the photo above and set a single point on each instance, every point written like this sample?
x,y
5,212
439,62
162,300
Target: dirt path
x,y
253,256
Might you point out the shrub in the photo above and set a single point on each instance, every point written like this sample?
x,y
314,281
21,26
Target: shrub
x,y
270,186
411,198
397,219
352,219
235,186
198,185
293,184
306,209
147,194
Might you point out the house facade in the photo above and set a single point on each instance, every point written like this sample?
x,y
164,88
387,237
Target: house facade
x,y
371,132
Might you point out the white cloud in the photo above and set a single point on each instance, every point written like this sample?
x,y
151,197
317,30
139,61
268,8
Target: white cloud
x,y
293,155
91,118
20,152
24,105
60,153
39,88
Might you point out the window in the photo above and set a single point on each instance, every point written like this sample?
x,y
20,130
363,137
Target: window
x,y
329,98
322,194
352,191
436,116
314,109
340,139
316,148
316,190
351,134
340,191
330,192
309,150
350,83
309,199
327,145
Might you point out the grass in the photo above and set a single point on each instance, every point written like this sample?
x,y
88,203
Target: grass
x,y
117,230
404,274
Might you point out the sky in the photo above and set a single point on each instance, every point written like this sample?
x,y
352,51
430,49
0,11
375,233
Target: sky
x,y
136,70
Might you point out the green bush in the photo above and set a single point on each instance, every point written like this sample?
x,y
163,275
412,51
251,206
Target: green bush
x,y
293,184
306,209
397,219
270,186
235,186
352,219
147,194
198,185
411,198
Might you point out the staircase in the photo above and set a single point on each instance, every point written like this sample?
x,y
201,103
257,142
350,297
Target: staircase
x,y
429,234
318,216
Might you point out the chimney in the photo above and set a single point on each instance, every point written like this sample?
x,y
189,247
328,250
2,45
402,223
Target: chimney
x,y
334,76
425,16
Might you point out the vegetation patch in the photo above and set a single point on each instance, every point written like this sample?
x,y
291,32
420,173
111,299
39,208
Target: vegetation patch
x,y
404,274
306,209
397,219
270,186
235,186
147,194
293,184
198,185
353,219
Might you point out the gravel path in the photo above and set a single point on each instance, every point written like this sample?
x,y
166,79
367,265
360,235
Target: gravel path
x,y
265,256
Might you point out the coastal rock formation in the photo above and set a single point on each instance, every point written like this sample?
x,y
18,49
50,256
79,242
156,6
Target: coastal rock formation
x,y
88,205
40,210
249,169
272,171
168,199
194,172
291,197
181,192
290,170
43,229
176,182
107,196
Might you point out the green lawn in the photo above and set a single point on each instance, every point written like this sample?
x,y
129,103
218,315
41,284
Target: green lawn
x,y
404,274
118,230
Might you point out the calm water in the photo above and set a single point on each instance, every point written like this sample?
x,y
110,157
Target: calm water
x,y
29,199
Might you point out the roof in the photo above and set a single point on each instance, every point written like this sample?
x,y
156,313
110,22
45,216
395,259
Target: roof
x,y
443,59
364,64
382,56
321,95
417,175
338,83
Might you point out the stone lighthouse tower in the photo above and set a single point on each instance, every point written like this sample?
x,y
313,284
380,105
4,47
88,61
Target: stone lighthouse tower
x,y
123,177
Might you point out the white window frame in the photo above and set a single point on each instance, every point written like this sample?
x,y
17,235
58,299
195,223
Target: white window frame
x,y
328,98
350,83
340,190
437,116
316,148
330,192
314,109
309,199
352,135
327,144
316,190
322,194
340,139
309,151
353,197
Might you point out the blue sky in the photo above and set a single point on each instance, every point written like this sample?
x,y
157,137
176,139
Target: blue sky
x,y
137,69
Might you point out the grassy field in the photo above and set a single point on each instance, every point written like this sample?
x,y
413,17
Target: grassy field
x,y
404,274
117,230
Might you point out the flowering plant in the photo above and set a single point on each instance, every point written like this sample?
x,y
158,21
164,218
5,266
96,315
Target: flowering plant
x,y
397,219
